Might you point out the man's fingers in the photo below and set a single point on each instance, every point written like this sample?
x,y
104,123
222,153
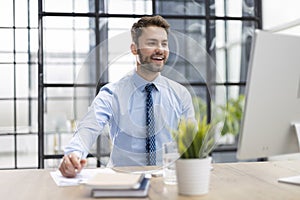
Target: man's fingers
x,y
82,164
71,165
67,169
75,162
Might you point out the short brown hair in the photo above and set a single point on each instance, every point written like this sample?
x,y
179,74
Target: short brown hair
x,y
136,30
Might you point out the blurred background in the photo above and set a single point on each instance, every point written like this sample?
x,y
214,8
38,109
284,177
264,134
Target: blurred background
x,y
49,66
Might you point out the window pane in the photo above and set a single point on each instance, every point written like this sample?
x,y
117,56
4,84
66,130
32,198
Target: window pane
x,y
7,114
33,45
7,151
68,6
129,7
33,13
27,123
85,68
59,101
59,72
200,91
82,43
7,45
6,57
66,49
33,80
122,65
231,48
22,80
175,7
120,58
120,24
59,130
22,113
220,95
187,50
58,22
70,103
21,17
27,150
59,41
58,6
21,41
83,99
221,64
233,92
34,116
236,8
6,81
52,163
6,14
83,6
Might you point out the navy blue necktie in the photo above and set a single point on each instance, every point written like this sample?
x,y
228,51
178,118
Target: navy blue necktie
x,y
150,123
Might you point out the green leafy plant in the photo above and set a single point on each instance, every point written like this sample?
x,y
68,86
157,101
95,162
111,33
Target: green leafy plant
x,y
194,140
233,115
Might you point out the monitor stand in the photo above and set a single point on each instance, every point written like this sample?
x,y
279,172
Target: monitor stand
x,y
293,179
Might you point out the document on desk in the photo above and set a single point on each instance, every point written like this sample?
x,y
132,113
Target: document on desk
x,y
291,180
80,178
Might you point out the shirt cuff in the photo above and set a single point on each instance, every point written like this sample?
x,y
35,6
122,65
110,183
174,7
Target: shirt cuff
x,y
78,154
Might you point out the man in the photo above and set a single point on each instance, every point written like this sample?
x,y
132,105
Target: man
x,y
141,109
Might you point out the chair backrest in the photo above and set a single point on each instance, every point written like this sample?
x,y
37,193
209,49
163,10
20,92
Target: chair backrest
x,y
99,85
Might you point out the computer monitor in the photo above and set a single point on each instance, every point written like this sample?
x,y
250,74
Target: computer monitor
x,y
272,105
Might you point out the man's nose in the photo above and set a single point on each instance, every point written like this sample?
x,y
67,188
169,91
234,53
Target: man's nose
x,y
159,48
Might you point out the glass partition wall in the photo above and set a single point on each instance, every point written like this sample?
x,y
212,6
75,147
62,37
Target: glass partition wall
x,y
18,84
50,90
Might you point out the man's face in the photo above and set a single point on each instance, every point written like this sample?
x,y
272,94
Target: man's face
x,y
153,49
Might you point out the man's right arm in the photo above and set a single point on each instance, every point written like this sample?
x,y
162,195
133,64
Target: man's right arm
x,y
88,129
77,150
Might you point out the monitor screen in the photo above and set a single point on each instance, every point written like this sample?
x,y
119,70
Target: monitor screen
x,y
272,103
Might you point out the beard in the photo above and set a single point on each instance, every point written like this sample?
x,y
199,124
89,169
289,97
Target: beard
x,y
147,63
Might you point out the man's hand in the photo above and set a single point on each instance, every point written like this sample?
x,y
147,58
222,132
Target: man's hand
x,y
71,165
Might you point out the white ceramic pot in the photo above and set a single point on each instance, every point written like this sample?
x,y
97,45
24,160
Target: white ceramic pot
x,y
193,176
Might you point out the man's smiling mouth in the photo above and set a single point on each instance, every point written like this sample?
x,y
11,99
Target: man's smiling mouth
x,y
159,58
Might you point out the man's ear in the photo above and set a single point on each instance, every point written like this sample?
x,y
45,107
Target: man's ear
x,y
133,48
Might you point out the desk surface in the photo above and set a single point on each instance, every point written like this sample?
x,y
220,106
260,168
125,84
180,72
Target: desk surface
x,y
228,181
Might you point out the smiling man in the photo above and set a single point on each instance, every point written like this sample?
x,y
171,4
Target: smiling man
x,y
141,108
152,50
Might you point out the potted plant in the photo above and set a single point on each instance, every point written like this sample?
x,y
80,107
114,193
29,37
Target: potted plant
x,y
195,141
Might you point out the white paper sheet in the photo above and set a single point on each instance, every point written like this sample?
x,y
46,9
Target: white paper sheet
x,y
80,178
291,180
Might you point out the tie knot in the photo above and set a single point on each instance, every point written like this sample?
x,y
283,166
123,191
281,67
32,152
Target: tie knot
x,y
149,87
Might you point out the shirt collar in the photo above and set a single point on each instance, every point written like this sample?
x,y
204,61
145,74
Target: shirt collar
x,y
140,83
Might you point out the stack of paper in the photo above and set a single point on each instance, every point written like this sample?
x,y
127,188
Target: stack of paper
x,y
119,185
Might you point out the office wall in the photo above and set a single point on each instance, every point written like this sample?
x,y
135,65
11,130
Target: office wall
x,y
278,12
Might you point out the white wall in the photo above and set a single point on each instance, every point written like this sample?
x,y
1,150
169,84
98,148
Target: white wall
x,y
279,12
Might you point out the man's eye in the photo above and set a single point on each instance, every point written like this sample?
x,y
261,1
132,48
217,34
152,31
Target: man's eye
x,y
151,43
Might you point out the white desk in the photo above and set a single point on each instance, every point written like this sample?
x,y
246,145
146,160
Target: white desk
x,y
241,181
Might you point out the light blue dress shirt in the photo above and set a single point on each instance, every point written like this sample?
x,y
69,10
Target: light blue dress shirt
x,y
122,106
